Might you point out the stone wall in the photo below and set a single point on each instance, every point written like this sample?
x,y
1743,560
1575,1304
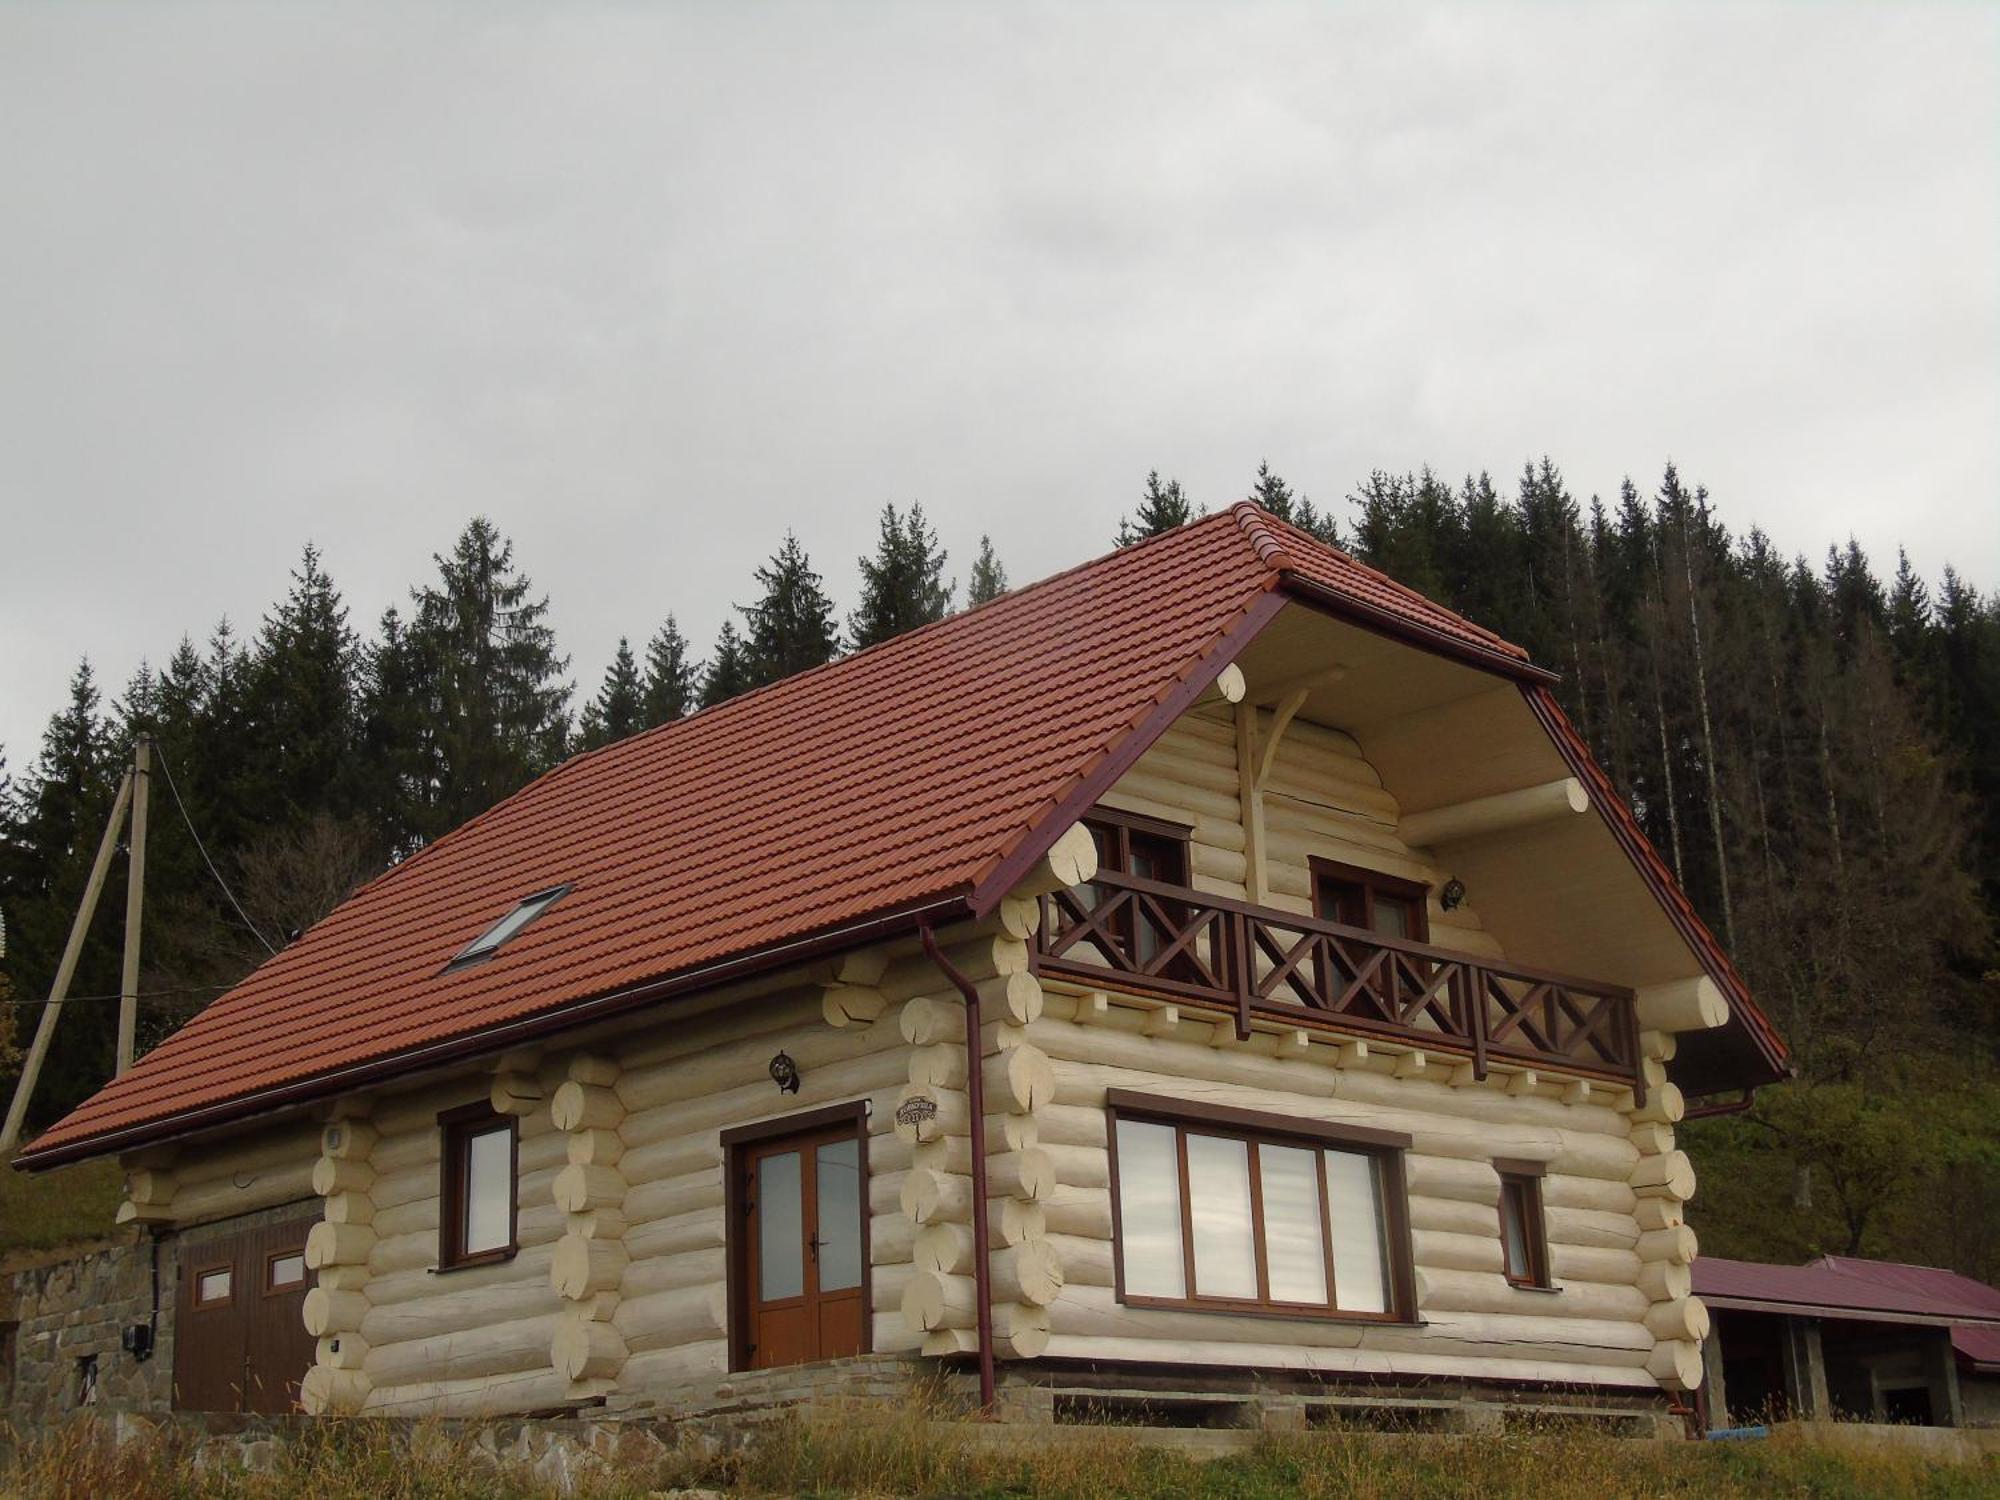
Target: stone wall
x,y
72,1305
70,1317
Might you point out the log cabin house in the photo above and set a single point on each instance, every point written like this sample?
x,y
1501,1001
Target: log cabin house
x,y
1332,1020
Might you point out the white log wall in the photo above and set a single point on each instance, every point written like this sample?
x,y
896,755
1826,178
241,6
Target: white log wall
x,y
1615,1192
680,1089
1321,798
219,1179
619,1283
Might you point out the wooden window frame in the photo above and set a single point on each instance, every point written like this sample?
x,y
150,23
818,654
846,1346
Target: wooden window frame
x,y
456,1128
1384,1147
736,1248
271,1288
1522,1180
208,1304
1371,882
1125,824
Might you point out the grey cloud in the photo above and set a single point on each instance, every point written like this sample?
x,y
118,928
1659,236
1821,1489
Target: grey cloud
x,y
648,284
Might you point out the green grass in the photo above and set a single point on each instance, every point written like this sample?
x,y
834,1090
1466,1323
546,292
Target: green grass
x,y
63,1207
908,1456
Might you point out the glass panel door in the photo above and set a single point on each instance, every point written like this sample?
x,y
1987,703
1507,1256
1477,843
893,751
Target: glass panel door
x,y
803,1254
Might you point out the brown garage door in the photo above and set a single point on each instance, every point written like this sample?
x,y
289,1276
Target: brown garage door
x,y
240,1342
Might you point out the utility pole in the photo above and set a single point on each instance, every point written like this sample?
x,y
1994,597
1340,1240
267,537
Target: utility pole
x,y
135,899
38,1050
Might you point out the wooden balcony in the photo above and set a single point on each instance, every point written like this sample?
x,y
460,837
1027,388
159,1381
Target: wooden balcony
x,y
1142,936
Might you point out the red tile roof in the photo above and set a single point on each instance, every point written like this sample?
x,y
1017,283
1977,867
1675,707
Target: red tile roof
x,y
1885,1290
896,780
1362,590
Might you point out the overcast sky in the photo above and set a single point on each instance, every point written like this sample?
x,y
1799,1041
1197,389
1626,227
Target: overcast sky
x,y
648,284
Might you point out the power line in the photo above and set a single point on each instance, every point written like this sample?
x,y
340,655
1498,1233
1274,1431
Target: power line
x,y
211,863
185,989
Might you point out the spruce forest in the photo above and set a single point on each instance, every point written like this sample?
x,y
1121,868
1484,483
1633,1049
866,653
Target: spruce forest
x,y
1813,745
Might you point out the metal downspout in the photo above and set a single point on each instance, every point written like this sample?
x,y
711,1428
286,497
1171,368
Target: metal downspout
x,y
975,1091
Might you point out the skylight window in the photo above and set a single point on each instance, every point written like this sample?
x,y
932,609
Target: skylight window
x,y
493,938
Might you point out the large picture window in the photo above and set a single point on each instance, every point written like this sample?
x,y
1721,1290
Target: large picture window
x,y
477,1198
1246,1212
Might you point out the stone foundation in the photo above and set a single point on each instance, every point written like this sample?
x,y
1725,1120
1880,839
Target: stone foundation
x,y
71,1314
70,1317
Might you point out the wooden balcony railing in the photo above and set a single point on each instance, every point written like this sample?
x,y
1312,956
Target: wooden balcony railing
x,y
1182,944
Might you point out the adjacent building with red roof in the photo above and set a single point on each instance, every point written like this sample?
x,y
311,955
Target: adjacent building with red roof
x,y
1215,959
1866,1339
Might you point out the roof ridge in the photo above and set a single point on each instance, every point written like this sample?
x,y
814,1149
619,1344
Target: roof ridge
x,y
1255,521
1288,529
902,637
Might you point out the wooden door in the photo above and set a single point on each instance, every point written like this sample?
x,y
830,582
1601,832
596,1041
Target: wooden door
x,y
240,1342
802,1251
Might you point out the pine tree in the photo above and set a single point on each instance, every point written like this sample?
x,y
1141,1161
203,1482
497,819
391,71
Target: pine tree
x,y
619,708
989,578
903,584
1161,508
303,702
60,817
1278,498
791,627
1910,628
1273,493
70,788
220,774
672,681
487,668
399,752
728,668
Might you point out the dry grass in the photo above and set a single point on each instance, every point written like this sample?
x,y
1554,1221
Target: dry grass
x,y
909,1454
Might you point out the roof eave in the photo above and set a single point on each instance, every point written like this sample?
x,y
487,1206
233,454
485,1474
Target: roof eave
x,y
489,1040
1412,632
1840,1312
1119,758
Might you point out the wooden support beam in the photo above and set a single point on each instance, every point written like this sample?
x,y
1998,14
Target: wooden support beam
x,y
38,1050
1500,813
1071,860
1682,1005
1256,875
1281,720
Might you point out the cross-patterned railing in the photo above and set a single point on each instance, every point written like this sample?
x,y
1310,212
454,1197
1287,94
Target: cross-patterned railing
x,y
1257,961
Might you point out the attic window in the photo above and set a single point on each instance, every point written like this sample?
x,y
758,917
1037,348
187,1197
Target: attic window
x,y
493,938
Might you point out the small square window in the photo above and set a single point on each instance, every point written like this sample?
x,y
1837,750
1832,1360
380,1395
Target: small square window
x,y
285,1272
212,1287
